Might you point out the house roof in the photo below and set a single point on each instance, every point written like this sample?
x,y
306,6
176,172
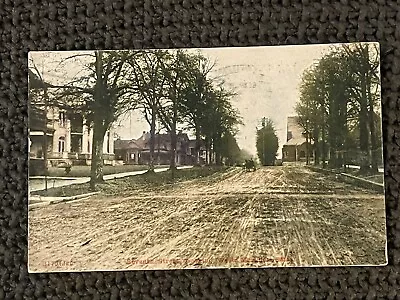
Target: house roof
x,y
37,120
295,135
35,82
161,138
127,144
192,143
295,142
143,142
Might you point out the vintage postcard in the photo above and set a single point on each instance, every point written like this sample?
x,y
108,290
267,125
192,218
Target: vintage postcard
x,y
206,158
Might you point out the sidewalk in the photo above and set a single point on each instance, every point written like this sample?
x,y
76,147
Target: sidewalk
x,y
362,182
53,182
380,170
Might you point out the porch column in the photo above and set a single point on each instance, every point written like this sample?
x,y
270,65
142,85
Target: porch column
x,y
68,136
85,139
111,141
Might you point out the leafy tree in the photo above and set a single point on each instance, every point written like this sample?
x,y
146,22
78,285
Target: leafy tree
x,y
311,111
339,96
244,154
197,96
230,151
363,62
220,118
267,143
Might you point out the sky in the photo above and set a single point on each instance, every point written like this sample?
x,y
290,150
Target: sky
x,y
266,80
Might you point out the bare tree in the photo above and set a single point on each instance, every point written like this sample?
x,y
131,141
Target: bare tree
x,y
150,84
174,68
101,95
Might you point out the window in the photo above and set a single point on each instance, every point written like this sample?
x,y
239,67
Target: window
x,y
76,122
61,118
61,144
289,135
76,143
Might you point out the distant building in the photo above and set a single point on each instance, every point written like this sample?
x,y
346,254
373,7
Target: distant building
x,y
295,148
137,151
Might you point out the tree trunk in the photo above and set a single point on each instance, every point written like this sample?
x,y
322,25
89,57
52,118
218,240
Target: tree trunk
x,y
374,146
207,151
316,146
99,128
45,146
323,142
217,150
218,158
198,146
307,149
345,140
152,138
363,123
96,169
172,165
210,152
332,132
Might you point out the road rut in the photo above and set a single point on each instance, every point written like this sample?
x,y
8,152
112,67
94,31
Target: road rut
x,y
275,216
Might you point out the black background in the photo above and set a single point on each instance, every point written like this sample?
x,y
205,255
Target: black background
x,y
78,25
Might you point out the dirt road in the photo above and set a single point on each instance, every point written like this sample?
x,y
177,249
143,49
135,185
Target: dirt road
x,y
277,216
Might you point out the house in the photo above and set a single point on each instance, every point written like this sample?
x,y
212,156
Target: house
x,y
68,137
128,151
137,151
296,146
202,151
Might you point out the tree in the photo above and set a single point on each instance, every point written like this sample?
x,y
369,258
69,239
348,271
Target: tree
x,y
196,97
149,80
363,62
174,88
267,143
338,98
38,103
230,151
174,69
311,111
101,95
219,118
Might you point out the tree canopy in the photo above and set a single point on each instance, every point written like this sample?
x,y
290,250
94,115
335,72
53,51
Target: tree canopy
x,y
339,106
173,88
267,143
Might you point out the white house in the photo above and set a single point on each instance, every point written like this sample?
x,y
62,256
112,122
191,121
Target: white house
x,y
69,139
